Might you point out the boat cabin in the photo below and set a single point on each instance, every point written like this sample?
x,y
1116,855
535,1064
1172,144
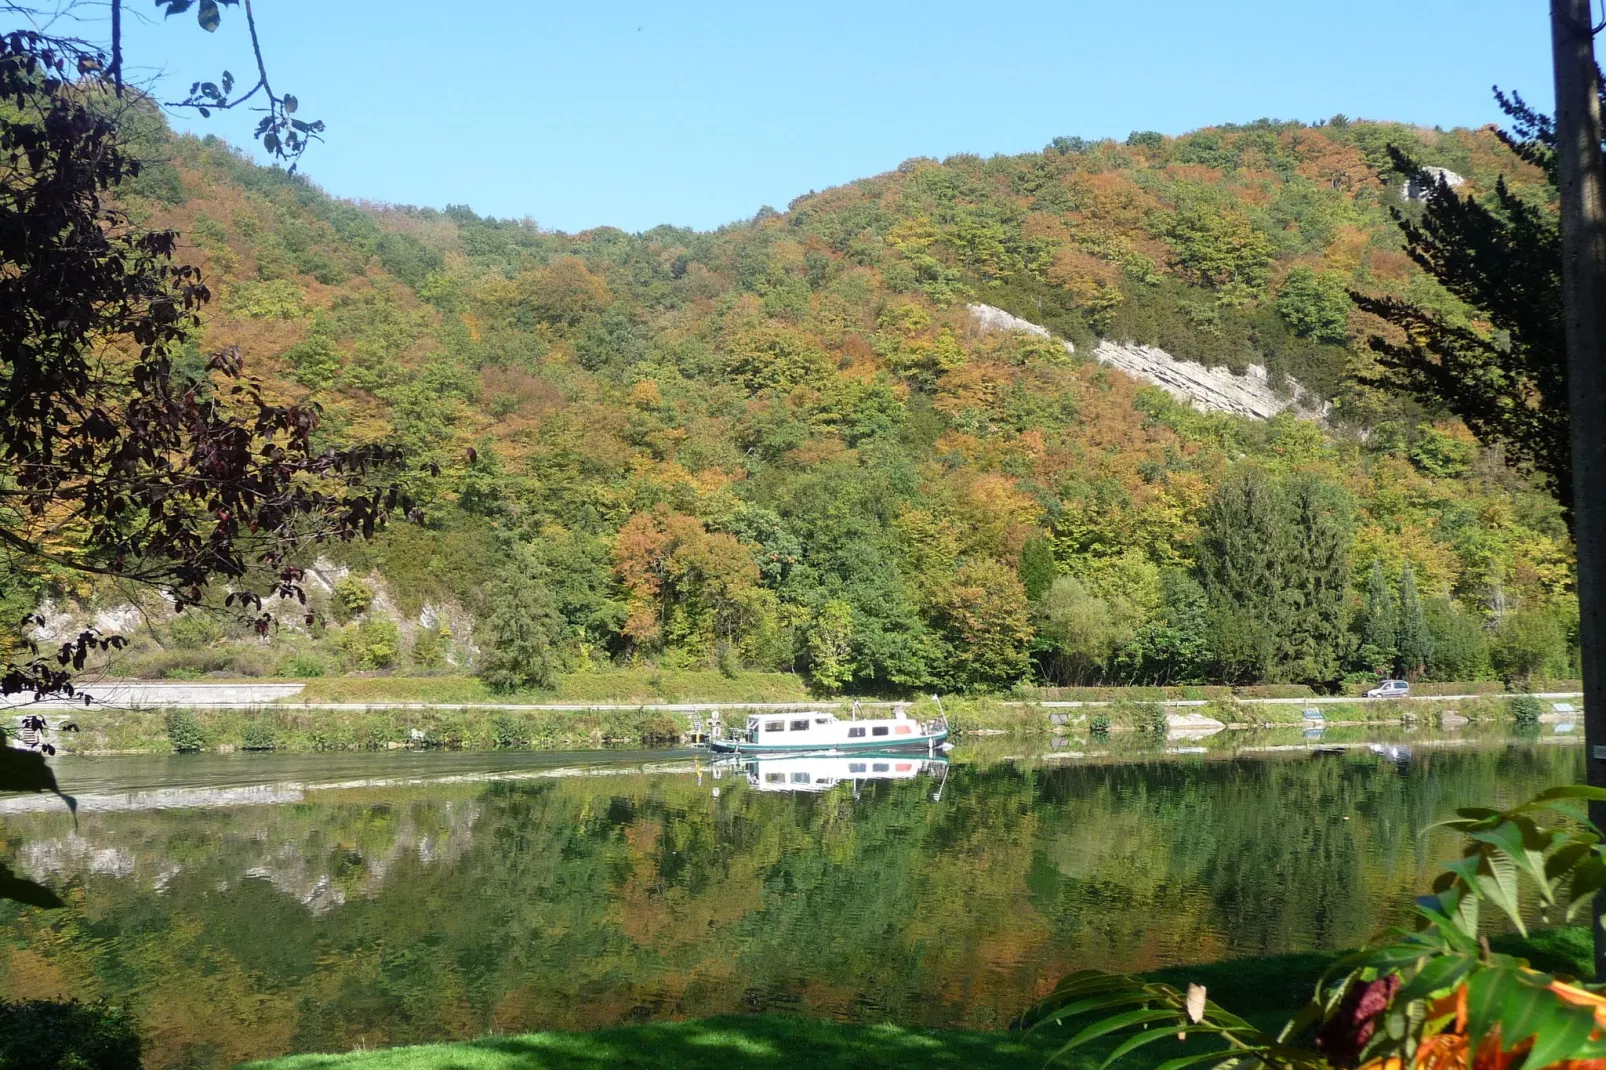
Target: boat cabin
x,y
814,729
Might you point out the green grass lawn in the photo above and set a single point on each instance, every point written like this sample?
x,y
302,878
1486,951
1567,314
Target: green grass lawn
x,y
1266,990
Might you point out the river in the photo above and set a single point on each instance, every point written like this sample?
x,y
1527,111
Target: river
x,y
251,905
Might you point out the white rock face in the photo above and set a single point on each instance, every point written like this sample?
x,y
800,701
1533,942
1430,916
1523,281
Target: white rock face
x,y
1412,190
1210,389
1206,389
990,319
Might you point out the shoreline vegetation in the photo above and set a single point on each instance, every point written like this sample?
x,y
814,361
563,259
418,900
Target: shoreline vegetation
x,y
1266,988
387,713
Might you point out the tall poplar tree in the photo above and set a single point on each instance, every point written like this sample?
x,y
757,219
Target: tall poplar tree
x,y
1413,640
1242,555
1318,570
1379,627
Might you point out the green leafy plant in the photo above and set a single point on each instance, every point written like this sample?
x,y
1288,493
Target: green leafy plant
x,y
509,732
1433,996
1099,725
259,734
184,732
1525,710
352,598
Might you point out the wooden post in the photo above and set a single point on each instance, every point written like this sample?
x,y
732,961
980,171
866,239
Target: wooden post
x,y
1583,245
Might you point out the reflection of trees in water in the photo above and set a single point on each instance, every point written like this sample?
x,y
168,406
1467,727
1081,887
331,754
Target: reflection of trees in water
x,y
423,913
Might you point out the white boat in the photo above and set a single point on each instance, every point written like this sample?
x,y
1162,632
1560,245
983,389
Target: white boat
x,y
807,731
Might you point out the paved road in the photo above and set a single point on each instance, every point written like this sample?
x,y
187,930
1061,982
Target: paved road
x,y
121,694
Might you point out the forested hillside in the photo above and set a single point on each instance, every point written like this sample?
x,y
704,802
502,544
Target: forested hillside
x,y
787,444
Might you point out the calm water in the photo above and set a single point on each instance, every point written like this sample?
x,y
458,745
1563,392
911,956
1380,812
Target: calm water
x,y
254,905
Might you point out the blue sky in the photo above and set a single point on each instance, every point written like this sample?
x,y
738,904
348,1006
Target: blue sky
x,y
697,113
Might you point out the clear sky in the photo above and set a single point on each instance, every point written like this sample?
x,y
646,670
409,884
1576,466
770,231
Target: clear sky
x,y
697,113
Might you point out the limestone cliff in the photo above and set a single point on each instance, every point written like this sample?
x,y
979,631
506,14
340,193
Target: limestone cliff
x,y
1206,389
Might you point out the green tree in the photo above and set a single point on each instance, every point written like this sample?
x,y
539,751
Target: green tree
x,y
1501,256
985,618
518,635
1243,555
1037,568
1077,629
1318,566
829,643
1315,305
1379,623
1413,640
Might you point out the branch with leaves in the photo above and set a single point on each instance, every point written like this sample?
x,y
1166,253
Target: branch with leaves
x,y
1435,997
281,133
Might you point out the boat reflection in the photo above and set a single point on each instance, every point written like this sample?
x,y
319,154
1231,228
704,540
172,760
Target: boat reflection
x,y
820,772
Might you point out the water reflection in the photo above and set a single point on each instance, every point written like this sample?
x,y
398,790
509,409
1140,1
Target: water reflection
x,y
386,898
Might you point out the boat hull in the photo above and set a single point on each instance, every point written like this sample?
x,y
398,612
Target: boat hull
x,y
880,744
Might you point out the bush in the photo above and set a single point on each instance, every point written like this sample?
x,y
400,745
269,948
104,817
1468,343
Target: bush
x,y
429,649
1099,725
1525,710
509,732
184,732
352,599
1152,719
45,1035
259,734
304,665
195,629
373,644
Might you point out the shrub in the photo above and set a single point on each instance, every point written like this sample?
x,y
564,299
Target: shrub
x,y
259,734
195,629
509,732
373,644
184,732
352,598
1525,710
1099,725
304,665
1152,719
46,1035
429,648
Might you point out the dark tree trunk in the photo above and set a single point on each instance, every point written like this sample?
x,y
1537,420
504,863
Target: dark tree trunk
x,y
1583,245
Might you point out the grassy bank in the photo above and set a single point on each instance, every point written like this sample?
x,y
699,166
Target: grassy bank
x,y
293,727
288,728
646,685
1209,692
1265,989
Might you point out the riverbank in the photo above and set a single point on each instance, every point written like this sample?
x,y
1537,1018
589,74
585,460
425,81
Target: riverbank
x,y
296,726
1266,990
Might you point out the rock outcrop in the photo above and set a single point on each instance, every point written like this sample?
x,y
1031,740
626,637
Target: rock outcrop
x,y
1412,189
1206,389
1211,389
988,319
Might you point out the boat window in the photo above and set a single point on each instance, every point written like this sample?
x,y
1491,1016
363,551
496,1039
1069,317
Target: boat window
x,y
856,767
879,730
800,778
856,733
822,720
800,726
880,767
774,726
822,780
904,730
775,778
